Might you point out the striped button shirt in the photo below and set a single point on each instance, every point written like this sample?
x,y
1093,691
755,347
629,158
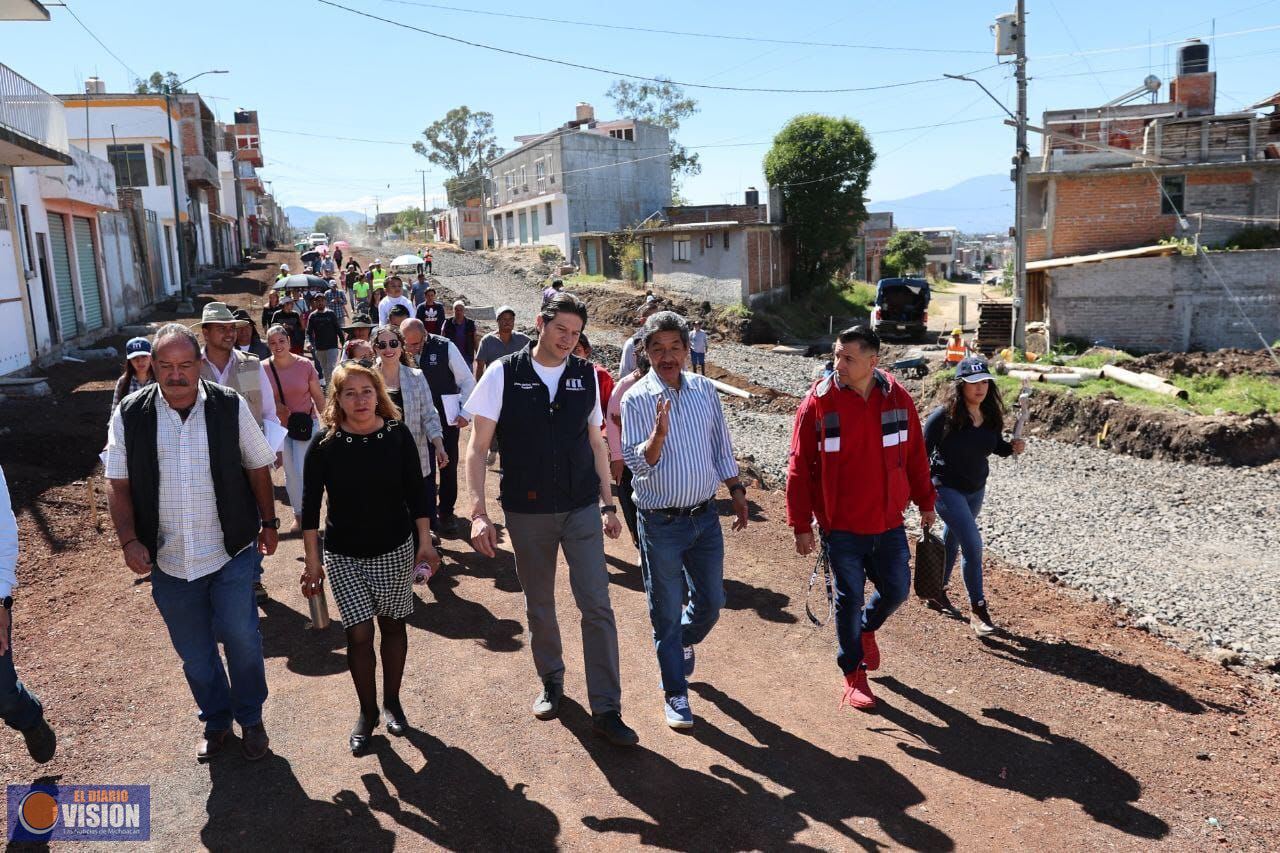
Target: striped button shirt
x,y
190,537
697,454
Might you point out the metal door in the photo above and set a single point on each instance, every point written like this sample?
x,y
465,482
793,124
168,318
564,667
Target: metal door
x,y
62,277
533,220
589,247
524,228
50,303
87,264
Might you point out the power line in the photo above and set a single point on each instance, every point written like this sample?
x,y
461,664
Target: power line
x,y
100,42
720,36
1102,50
597,69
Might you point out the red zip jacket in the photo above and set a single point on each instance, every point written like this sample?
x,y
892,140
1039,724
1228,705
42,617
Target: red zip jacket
x,y
855,463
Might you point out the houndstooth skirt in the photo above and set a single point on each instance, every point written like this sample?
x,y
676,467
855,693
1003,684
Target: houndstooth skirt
x,y
364,586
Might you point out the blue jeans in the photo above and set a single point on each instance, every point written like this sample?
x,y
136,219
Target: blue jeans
x,y
200,614
856,558
19,707
676,553
959,513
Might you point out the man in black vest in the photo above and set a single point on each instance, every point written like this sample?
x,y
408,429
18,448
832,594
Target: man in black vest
x,y
448,376
554,490
190,476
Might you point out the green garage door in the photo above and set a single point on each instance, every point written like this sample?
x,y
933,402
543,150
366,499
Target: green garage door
x,y
62,277
87,262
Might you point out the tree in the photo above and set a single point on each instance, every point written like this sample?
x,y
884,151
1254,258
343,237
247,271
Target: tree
x,y
821,164
904,253
666,105
159,84
461,143
334,226
407,220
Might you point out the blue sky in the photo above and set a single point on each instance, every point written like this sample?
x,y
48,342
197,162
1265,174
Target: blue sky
x,y
310,68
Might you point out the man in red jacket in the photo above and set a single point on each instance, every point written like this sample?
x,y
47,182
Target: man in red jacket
x,y
857,457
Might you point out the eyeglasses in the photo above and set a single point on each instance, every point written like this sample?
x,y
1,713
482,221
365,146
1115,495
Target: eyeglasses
x,y
387,345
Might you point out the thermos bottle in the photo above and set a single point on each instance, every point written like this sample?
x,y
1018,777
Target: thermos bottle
x,y
319,609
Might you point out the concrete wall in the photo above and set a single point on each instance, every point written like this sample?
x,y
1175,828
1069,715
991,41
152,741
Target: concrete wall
x,y
1169,303
713,274
615,183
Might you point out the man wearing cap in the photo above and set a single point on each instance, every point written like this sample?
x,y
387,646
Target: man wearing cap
x,y
224,363
337,299
957,350
461,331
698,348
857,456
395,296
247,338
284,272
447,374
377,275
430,312
503,341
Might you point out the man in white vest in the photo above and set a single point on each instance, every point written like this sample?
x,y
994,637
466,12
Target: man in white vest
x,y
226,365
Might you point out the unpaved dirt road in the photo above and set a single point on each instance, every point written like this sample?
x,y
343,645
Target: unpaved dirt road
x,y
1065,732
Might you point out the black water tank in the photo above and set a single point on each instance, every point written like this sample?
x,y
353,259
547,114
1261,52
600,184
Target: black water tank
x,y
753,195
1193,57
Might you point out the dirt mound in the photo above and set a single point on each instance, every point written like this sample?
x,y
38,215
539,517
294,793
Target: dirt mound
x,y
619,306
1222,363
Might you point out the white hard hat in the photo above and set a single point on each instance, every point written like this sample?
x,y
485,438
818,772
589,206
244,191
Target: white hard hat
x,y
284,266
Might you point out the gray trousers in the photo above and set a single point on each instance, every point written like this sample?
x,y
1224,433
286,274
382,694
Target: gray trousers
x,y
535,538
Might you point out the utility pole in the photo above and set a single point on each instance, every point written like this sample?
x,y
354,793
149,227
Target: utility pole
x,y
1021,156
484,217
423,173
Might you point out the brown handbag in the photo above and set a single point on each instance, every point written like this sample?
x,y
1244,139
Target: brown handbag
x,y
930,565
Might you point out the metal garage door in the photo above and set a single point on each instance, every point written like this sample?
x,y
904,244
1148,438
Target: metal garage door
x,y
62,277
87,263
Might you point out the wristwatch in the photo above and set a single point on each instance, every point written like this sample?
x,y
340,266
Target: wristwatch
x,y
271,523
608,508
7,602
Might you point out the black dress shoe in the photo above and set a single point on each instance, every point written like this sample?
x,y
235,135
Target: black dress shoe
x,y
395,721
254,742
609,726
211,744
360,733
42,743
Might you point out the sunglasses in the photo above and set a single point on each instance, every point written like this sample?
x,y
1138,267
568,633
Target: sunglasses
x,y
387,345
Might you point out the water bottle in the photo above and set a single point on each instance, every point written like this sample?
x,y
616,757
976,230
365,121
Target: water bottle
x,y
319,606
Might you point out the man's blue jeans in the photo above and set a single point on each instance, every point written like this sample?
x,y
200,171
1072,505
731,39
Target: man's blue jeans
x,y
200,614
960,534
856,558
19,707
675,553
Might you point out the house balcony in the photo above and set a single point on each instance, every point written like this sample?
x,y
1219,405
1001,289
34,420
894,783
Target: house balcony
x,y
198,169
88,182
33,127
250,155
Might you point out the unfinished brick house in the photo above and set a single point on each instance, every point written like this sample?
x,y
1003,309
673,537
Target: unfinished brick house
x,y
1123,176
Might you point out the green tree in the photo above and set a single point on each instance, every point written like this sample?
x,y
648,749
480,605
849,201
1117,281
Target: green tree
x,y
821,164
665,104
334,226
904,254
460,143
159,84
407,220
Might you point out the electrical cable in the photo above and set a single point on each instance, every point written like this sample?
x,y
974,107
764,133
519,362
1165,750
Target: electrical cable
x,y
612,73
100,42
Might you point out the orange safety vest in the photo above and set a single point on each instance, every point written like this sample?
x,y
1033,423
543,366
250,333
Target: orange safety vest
x,y
956,352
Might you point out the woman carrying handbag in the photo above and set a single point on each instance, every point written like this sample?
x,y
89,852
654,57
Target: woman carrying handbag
x,y
299,397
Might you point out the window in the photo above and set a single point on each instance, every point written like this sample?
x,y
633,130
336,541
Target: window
x,y
246,142
1173,189
709,240
540,175
509,179
680,249
158,165
626,133
547,208
130,163
726,241
524,179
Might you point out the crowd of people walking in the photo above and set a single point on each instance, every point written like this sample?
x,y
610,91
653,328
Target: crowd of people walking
x,y
365,418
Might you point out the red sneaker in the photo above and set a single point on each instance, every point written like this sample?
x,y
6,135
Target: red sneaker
x,y
857,691
870,651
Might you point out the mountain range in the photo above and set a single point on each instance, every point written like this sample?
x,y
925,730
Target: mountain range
x,y
981,205
301,217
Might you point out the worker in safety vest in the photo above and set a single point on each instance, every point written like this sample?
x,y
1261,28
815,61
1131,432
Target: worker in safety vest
x,y
957,349
378,273
284,272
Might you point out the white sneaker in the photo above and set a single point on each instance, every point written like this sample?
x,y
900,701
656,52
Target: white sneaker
x,y
677,711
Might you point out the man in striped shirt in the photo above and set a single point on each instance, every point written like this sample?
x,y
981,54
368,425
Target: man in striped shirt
x,y
676,443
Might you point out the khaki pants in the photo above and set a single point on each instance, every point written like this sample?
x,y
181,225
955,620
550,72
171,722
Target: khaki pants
x,y
536,538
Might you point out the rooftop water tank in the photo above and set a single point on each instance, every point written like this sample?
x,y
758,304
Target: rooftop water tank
x,y
1193,57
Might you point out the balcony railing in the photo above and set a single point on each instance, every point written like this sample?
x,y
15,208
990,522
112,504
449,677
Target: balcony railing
x,y
31,111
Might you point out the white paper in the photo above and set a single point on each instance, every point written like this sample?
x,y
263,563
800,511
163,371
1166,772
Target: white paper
x,y
452,407
275,434
103,457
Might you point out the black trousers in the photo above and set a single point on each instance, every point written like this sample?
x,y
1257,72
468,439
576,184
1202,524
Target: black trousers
x,y
628,505
447,495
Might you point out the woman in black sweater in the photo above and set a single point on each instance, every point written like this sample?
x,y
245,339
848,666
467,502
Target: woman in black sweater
x,y
959,436
367,463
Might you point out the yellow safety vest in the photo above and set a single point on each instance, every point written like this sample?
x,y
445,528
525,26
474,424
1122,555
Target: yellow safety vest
x,y
379,278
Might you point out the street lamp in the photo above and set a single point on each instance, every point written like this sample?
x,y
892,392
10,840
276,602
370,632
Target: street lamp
x,y
184,303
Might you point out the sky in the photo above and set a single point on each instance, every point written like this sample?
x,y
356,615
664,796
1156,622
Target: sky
x,y
315,73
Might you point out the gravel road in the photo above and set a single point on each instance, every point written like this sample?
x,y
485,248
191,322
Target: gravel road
x,y
1180,545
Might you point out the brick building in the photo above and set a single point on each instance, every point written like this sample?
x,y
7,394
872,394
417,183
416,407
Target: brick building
x,y
874,234
1119,177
